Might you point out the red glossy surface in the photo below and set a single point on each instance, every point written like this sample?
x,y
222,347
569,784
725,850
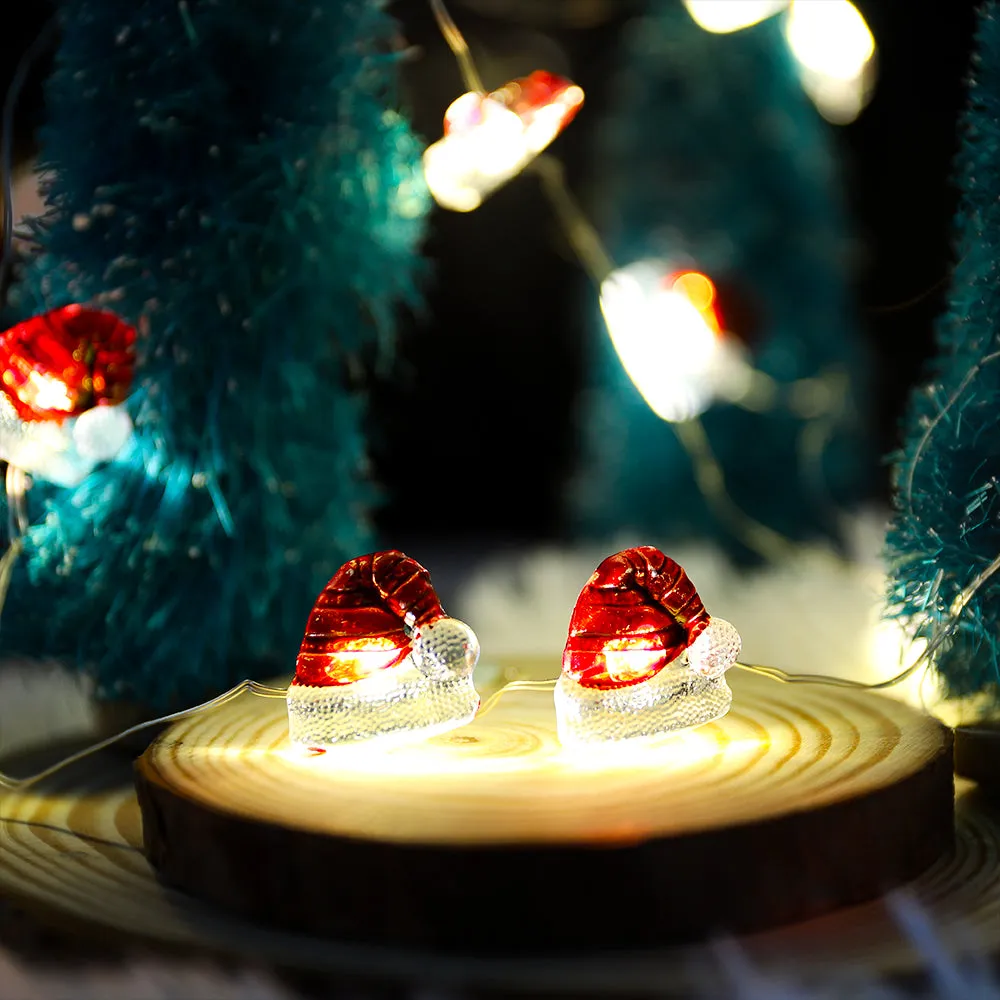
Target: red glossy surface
x,y
524,96
363,619
637,613
65,361
527,94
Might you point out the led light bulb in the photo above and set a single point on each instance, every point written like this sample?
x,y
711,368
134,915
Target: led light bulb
x,y
835,52
723,16
665,329
490,139
380,660
643,658
63,378
830,40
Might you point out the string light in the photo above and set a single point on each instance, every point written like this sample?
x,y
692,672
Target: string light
x,y
717,653
257,689
643,658
830,40
490,139
835,52
665,329
714,648
380,660
820,399
64,376
248,686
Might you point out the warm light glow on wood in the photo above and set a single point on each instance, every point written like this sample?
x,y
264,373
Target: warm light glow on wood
x,y
506,777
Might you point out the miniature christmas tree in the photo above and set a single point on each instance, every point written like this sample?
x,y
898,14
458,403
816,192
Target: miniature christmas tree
x,y
945,536
231,177
716,160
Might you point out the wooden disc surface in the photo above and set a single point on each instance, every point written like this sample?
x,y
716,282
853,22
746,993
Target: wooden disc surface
x,y
800,801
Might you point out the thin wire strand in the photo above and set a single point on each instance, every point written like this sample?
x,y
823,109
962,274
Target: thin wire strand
x,y
516,685
458,45
961,602
922,660
16,482
7,563
827,680
248,686
784,677
7,142
916,299
711,481
932,426
772,673
581,234
251,687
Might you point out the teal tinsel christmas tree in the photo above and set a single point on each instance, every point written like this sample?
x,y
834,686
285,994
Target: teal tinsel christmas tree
x,y
945,536
714,159
232,177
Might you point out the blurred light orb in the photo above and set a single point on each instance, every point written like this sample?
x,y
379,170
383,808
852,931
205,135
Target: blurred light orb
x,y
491,138
829,37
665,330
723,16
832,44
835,51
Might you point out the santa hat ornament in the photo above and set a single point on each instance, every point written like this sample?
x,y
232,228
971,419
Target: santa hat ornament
x,y
490,138
380,658
63,378
643,658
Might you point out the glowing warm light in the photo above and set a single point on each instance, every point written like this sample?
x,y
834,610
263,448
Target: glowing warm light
x,y
366,658
829,39
396,704
623,661
723,16
700,292
428,757
666,332
380,659
49,393
488,140
674,752
643,657
835,51
890,650
63,377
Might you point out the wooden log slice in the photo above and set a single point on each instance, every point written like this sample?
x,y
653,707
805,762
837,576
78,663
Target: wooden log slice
x,y
492,838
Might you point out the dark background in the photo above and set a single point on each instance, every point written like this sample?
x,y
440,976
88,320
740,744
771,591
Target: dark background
x,y
488,374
